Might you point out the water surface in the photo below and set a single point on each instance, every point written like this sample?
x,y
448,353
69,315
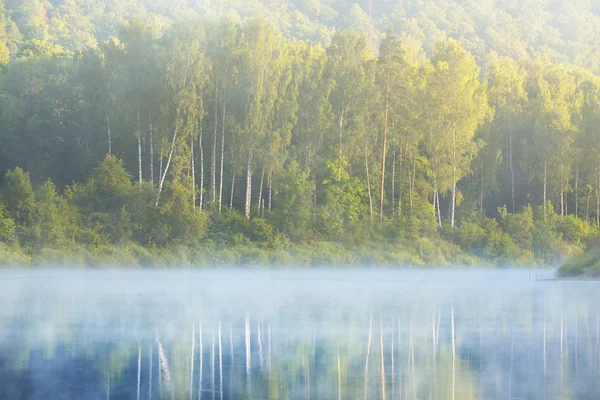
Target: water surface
x,y
297,334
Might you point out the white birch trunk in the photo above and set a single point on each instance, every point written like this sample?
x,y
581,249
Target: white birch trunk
x,y
369,184
151,134
248,186
164,174
453,204
139,140
222,155
213,164
109,135
193,168
260,190
201,165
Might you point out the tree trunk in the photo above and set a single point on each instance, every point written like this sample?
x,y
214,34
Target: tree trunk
x,y
368,183
481,190
453,203
401,188
139,138
232,191
383,154
510,164
109,136
545,186
213,164
193,167
248,186
341,128
577,191
222,155
412,183
164,174
598,196
270,190
394,185
201,165
151,134
260,189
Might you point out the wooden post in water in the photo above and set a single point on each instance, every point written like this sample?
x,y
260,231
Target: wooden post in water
x,y
191,389
220,364
382,358
139,370
368,355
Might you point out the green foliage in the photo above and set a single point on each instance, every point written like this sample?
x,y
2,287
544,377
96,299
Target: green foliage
x,y
7,227
346,144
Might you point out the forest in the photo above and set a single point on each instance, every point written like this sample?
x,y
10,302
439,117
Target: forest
x,y
306,131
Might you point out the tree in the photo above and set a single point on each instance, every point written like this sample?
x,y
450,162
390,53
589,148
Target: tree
x,y
507,95
459,104
395,80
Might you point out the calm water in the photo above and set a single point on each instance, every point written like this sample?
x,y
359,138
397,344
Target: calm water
x,y
331,334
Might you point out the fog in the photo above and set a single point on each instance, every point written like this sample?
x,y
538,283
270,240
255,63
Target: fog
x,y
411,334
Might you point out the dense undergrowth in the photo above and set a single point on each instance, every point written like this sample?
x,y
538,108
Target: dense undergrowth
x,y
109,221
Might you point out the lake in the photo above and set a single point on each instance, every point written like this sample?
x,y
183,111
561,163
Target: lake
x,y
297,334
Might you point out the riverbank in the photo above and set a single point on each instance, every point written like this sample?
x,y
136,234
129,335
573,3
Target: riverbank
x,y
585,266
421,253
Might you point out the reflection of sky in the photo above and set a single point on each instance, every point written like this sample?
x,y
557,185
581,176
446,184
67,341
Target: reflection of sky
x,y
66,331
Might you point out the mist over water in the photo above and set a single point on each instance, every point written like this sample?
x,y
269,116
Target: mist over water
x,y
297,334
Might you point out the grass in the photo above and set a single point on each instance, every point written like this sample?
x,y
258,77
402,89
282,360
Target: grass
x,y
586,265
